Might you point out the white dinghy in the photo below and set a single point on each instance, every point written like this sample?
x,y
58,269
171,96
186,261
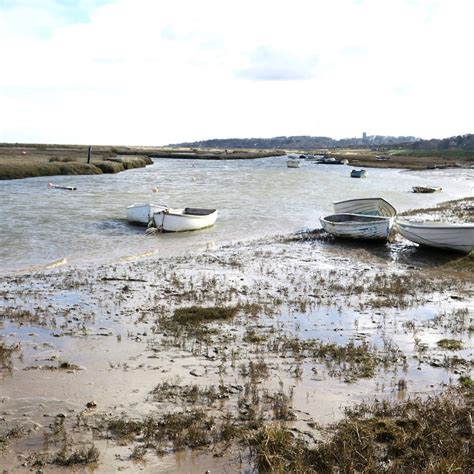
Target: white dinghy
x,y
366,206
293,163
356,226
181,220
141,213
57,186
440,235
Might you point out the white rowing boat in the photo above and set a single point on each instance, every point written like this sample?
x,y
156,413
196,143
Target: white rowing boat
x,y
356,226
181,220
365,206
57,186
293,163
440,235
141,213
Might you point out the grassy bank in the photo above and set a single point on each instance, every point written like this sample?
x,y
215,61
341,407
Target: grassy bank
x,y
214,154
31,160
27,161
407,159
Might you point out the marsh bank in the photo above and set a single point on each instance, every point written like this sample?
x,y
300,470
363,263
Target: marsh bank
x,y
29,160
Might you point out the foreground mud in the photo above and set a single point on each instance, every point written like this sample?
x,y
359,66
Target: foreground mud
x,y
175,365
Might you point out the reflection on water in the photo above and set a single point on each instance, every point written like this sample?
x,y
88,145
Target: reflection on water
x,y
400,251
255,198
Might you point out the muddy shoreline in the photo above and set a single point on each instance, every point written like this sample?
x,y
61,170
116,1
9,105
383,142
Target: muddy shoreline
x,y
164,364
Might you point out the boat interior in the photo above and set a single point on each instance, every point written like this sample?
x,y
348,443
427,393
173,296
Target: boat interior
x,y
353,218
194,211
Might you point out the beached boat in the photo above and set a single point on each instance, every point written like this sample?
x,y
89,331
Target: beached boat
x,y
438,234
141,213
357,226
365,206
181,220
359,174
293,163
427,189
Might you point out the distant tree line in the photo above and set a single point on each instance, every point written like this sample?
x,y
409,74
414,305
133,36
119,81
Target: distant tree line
x,y
460,142
305,142
302,142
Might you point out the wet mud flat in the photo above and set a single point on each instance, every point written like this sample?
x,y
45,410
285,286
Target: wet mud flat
x,y
255,356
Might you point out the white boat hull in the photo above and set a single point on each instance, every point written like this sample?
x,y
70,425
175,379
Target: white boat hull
x,y
366,206
355,226
293,163
143,212
178,220
440,235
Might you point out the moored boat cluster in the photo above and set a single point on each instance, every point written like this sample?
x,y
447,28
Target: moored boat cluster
x,y
376,219
365,218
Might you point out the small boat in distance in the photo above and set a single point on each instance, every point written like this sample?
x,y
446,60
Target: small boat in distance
x,y
427,189
359,174
438,234
357,226
365,206
330,160
141,213
57,186
181,220
314,158
293,163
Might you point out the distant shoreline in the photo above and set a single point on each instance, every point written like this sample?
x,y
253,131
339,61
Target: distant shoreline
x,y
19,161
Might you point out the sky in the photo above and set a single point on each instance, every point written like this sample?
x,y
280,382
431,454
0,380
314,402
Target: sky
x,y
155,72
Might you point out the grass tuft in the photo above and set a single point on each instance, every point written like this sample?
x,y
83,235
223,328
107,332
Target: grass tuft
x,y
80,456
450,344
199,314
414,436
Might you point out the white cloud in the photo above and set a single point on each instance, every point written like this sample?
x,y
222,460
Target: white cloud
x,y
267,64
148,72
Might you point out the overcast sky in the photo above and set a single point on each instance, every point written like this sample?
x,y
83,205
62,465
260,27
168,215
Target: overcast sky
x,y
154,72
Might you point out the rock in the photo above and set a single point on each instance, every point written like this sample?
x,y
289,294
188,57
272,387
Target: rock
x,y
197,372
91,404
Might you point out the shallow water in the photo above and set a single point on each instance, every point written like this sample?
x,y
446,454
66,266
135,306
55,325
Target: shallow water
x,y
255,198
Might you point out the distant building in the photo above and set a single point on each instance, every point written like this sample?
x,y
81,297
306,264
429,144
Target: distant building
x,y
364,137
